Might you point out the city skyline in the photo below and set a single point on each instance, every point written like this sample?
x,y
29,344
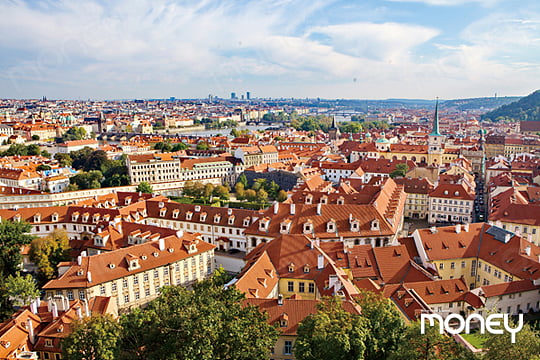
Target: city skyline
x,y
327,49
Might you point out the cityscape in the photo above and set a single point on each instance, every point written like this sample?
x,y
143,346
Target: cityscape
x,y
296,180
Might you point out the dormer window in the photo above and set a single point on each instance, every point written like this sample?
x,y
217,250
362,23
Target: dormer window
x,y
162,211
456,193
37,218
95,218
54,217
175,213
217,218
85,217
309,199
324,200
445,192
306,268
246,221
133,264
112,266
231,220
340,200
189,215
284,226
355,225
308,227
331,226
128,201
284,320
375,225
80,272
203,216
197,208
263,225
291,267
17,218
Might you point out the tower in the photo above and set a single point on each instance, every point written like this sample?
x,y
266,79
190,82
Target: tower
x,y
333,130
435,139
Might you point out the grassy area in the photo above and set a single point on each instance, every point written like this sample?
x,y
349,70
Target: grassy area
x,y
182,200
475,339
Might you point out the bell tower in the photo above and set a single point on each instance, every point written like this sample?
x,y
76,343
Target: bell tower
x,y
435,139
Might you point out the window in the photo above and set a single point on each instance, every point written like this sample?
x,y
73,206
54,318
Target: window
x,y
287,350
135,280
452,265
145,277
124,283
463,264
126,298
290,286
311,288
70,295
147,292
301,287
113,286
166,271
102,290
156,274
441,266
81,294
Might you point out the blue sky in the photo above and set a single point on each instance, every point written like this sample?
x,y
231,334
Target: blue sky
x,y
355,49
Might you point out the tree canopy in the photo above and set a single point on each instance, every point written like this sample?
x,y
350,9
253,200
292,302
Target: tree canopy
x,y
13,235
206,323
144,187
92,338
47,252
331,333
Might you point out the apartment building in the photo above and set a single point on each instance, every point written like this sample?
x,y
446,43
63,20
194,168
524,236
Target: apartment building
x,y
417,190
451,203
133,276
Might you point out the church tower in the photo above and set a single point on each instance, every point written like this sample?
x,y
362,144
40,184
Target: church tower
x,y
333,130
435,139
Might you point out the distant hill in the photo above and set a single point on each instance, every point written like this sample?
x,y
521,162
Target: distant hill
x,y
525,109
486,103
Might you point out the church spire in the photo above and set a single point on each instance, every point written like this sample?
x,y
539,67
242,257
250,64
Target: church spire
x,y
333,126
435,131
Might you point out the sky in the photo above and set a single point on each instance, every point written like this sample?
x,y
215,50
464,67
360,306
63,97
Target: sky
x,y
351,49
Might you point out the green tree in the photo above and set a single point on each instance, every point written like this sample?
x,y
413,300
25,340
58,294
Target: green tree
x,y
33,150
87,180
144,187
243,179
35,137
208,190
206,323
400,171
239,190
13,235
250,195
92,338
527,345
282,196
21,289
47,252
64,159
75,133
203,146
80,157
385,325
262,197
43,167
428,346
331,333
96,161
273,190
179,146
221,192
259,184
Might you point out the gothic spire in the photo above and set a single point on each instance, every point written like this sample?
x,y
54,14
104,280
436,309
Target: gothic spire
x,y
435,130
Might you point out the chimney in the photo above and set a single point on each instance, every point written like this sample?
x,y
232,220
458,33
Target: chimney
x,y
458,228
83,253
319,209
38,302
54,310
33,307
161,244
31,335
79,260
280,299
86,311
293,209
320,262
89,276
518,232
466,227
507,237
350,217
79,312
49,304
276,208
433,229
66,302
179,234
528,250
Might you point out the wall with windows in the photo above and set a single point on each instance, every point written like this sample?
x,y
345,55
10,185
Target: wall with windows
x,y
303,287
283,350
513,303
